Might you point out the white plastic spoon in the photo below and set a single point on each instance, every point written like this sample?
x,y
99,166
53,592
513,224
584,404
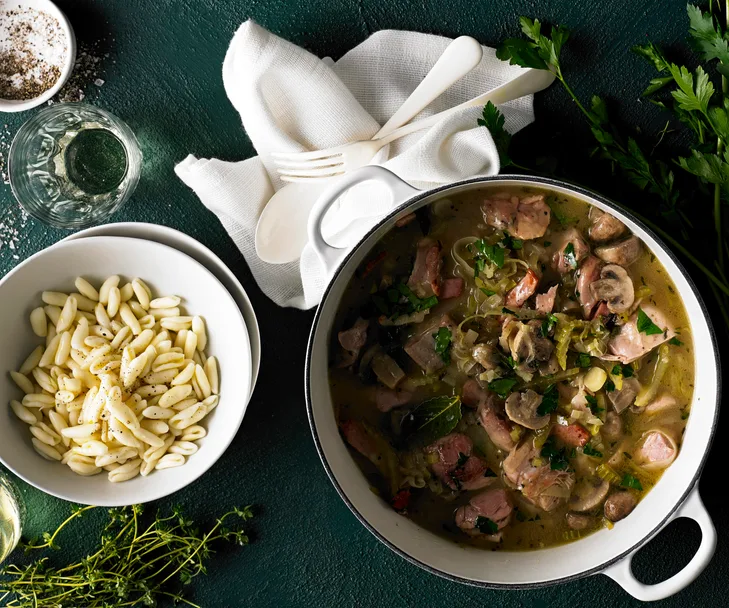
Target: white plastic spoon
x,y
281,233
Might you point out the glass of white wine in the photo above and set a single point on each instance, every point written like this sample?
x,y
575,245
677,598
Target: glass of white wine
x,y
11,515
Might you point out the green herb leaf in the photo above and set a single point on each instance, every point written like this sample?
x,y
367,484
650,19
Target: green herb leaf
x,y
588,450
631,482
583,360
593,404
694,89
675,342
705,37
431,420
486,526
443,338
509,242
550,401
569,255
627,371
484,252
548,325
488,292
494,121
646,326
502,386
609,386
557,456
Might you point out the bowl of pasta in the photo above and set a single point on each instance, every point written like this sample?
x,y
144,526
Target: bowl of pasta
x,y
125,367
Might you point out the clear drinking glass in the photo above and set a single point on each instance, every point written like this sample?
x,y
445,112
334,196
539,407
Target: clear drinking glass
x,y
11,515
72,165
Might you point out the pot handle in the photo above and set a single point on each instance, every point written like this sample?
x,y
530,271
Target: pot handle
x,y
621,572
331,256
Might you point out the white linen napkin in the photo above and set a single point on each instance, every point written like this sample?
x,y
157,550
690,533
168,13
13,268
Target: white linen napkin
x,y
290,101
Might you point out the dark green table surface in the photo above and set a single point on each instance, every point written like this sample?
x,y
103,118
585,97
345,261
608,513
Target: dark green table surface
x,y
161,63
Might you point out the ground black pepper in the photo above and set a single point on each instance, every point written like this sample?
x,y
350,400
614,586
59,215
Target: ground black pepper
x,y
33,49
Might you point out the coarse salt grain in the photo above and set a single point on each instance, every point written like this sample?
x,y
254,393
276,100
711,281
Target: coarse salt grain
x,y
33,50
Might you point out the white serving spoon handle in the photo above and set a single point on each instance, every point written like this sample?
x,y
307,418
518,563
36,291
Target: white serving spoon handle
x,y
459,58
528,83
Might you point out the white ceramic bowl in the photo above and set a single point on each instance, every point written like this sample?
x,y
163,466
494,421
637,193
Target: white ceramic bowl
x,y
45,6
167,271
606,551
197,251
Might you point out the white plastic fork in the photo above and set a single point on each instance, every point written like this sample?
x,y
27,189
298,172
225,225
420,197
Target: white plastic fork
x,y
323,164
281,233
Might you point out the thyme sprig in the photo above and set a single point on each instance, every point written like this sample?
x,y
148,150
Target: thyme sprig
x,y
135,565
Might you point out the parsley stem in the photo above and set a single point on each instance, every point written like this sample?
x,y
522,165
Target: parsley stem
x,y
571,93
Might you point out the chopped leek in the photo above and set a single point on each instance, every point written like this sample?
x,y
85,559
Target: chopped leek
x,y
606,472
648,393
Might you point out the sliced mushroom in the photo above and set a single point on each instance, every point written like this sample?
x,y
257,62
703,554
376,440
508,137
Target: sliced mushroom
x,y
612,429
623,252
625,396
486,355
588,494
578,521
605,227
522,409
655,450
619,505
614,287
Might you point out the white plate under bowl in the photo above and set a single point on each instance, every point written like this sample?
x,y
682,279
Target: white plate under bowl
x,y
198,251
167,271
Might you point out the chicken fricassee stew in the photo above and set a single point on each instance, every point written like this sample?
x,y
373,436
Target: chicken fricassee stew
x,y
512,369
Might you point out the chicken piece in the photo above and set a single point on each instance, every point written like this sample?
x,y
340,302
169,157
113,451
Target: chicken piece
x,y
655,450
421,347
525,218
373,446
456,467
545,301
570,249
490,413
604,227
352,341
425,279
523,290
451,288
588,273
629,343
494,507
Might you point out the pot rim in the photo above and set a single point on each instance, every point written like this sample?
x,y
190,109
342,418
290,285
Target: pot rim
x,y
585,192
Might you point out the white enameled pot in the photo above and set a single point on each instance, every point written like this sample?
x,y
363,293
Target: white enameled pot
x,y
607,552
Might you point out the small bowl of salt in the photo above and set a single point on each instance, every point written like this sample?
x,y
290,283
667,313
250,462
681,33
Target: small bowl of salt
x,y
37,53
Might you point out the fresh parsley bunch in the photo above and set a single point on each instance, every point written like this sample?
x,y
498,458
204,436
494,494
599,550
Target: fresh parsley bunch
x,y
697,99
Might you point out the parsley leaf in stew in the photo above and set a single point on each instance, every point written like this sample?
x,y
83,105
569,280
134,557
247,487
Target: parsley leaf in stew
x,y
548,325
609,386
646,326
675,342
486,526
549,401
569,256
443,339
588,450
631,482
502,387
583,360
557,457
592,402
